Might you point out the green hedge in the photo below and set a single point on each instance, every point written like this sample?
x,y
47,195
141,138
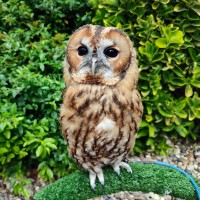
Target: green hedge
x,y
33,39
167,36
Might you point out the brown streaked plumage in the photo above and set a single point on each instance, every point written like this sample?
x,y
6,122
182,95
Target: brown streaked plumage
x,y
102,108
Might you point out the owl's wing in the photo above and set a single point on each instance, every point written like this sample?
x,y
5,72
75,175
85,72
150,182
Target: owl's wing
x,y
136,107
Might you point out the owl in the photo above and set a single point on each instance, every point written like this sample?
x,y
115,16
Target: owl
x,y
102,108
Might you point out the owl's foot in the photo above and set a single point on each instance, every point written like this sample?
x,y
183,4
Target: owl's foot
x,y
124,165
93,176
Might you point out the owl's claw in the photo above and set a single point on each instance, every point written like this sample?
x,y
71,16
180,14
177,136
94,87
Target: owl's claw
x,y
100,177
92,180
93,176
116,167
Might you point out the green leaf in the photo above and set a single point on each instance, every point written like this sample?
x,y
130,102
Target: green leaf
x,y
49,140
180,104
2,126
157,57
111,2
142,133
151,131
161,43
150,50
168,128
195,83
30,141
3,150
176,37
143,124
188,91
7,134
44,152
22,154
177,120
171,37
10,156
42,67
49,173
39,150
155,5
16,149
148,118
191,116
13,109
54,115
196,7
25,192
178,72
181,114
93,3
150,142
180,7
164,112
17,189
178,81
181,130
165,1
52,146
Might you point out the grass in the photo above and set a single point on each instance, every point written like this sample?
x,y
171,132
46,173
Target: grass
x,y
145,178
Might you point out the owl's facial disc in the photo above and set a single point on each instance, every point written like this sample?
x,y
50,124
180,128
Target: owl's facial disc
x,y
95,58
99,54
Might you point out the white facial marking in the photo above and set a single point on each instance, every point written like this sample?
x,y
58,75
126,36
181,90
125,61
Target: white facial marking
x,y
85,41
94,60
106,43
108,74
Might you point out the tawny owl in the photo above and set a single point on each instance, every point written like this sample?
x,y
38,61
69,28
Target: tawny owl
x,y
102,107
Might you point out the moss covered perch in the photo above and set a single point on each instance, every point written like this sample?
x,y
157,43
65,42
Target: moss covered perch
x,y
145,178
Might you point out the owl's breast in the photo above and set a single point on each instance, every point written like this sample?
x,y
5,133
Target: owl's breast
x,y
98,123
92,103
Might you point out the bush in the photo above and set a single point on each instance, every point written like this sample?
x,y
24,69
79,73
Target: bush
x,y
167,36
33,39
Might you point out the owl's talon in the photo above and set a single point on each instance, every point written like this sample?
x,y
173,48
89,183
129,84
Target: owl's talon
x,y
93,176
126,166
117,169
92,180
100,177
123,165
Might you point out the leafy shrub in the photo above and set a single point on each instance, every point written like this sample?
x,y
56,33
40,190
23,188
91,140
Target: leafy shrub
x,y
32,50
167,36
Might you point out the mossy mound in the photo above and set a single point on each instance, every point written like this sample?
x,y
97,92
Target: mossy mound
x,y
145,178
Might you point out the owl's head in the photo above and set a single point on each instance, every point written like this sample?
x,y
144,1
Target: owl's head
x,y
99,55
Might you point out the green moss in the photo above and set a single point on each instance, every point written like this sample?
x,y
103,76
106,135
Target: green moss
x,y
145,177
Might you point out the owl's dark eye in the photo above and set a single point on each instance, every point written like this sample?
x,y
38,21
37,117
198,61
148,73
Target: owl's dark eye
x,y
82,50
111,52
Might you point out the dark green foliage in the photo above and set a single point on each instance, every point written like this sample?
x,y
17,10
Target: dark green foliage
x,y
167,36
33,41
145,177
33,37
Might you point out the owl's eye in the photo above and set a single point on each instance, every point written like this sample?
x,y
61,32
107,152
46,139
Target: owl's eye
x,y
82,50
111,52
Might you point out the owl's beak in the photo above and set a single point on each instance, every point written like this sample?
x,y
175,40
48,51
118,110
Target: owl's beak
x,y
94,61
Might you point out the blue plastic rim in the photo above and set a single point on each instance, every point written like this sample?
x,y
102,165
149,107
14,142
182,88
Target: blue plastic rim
x,y
183,172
